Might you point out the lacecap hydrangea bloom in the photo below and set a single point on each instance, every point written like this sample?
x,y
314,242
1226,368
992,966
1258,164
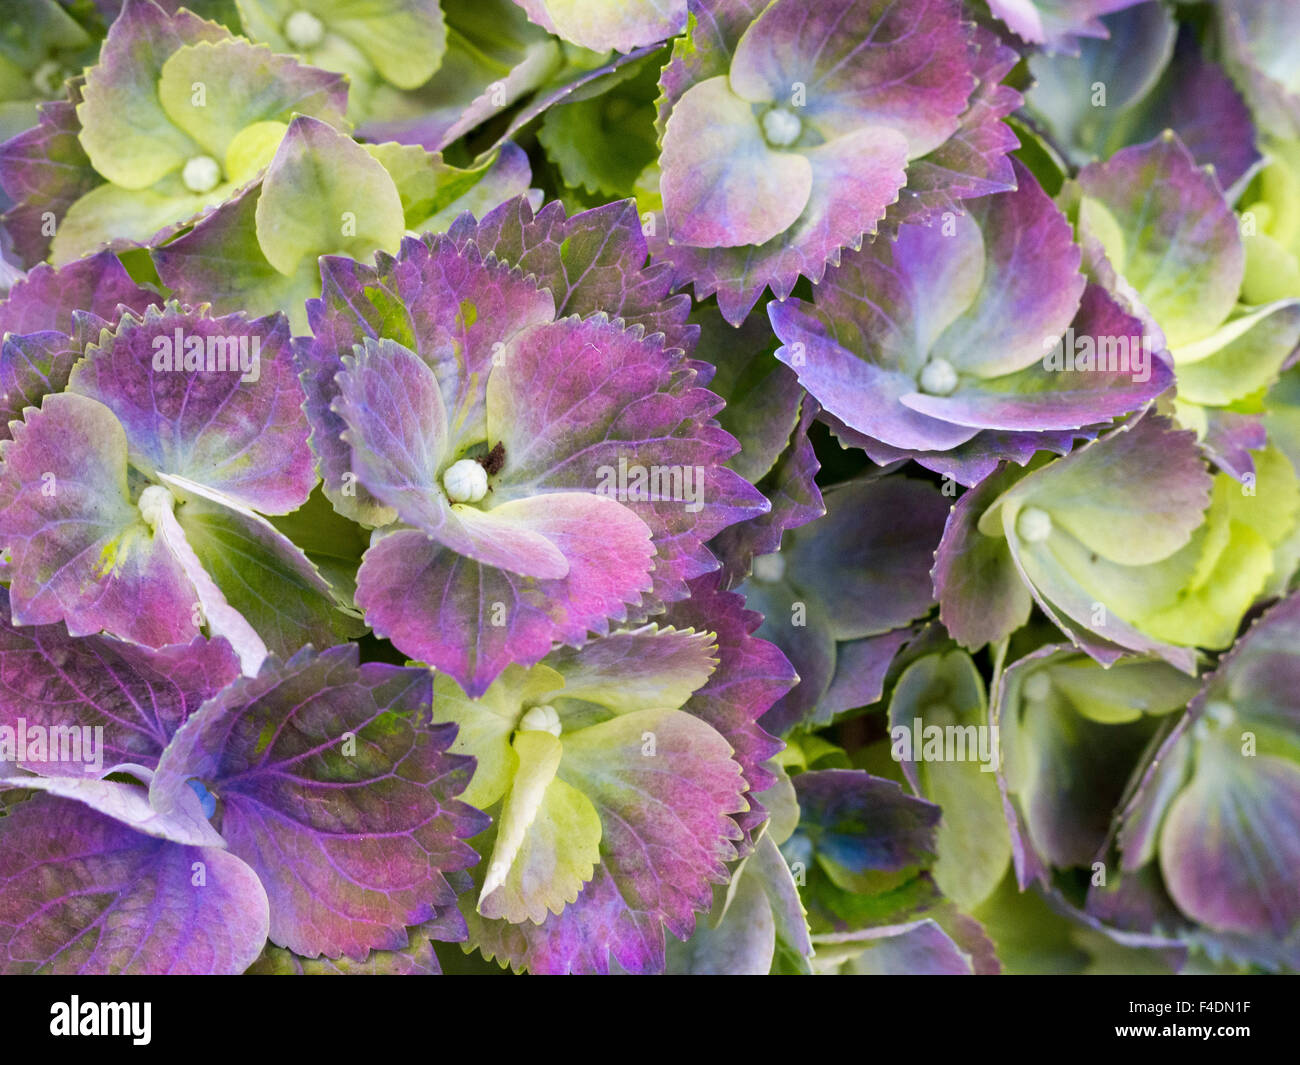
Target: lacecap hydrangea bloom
x,y
661,487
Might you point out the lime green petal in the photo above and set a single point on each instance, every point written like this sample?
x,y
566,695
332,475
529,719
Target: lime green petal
x,y
324,194
548,838
213,90
1240,358
485,724
111,212
124,128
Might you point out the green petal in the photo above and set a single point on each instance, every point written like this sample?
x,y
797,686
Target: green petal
x,y
323,194
548,838
213,90
112,212
486,724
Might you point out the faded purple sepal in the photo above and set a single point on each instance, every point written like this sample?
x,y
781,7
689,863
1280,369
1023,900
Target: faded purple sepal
x,y
82,894
44,171
214,400
1055,24
139,697
591,261
798,202
334,767
752,674
862,571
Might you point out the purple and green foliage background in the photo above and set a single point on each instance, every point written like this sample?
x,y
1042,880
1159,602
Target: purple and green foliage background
x,y
714,486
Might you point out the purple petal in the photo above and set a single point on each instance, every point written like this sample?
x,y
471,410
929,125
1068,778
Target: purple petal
x,y
1230,438
860,670
1128,375
396,428
722,185
450,307
591,261
751,675
351,847
1256,39
976,159
866,63
183,823
854,179
1031,285
981,596
471,620
862,394
137,696
233,422
82,894
614,406
1230,841
868,561
81,552
44,171
863,822
31,367
47,297
790,486
1198,101
1056,23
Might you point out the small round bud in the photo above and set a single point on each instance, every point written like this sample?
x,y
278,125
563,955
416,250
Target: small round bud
x,y
304,30
781,127
769,568
201,174
541,719
207,800
153,500
465,481
1033,525
938,378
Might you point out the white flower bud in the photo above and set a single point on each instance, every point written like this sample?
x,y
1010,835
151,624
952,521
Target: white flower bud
x,y
201,174
938,378
1033,525
781,127
304,30
465,481
541,719
153,500
769,568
